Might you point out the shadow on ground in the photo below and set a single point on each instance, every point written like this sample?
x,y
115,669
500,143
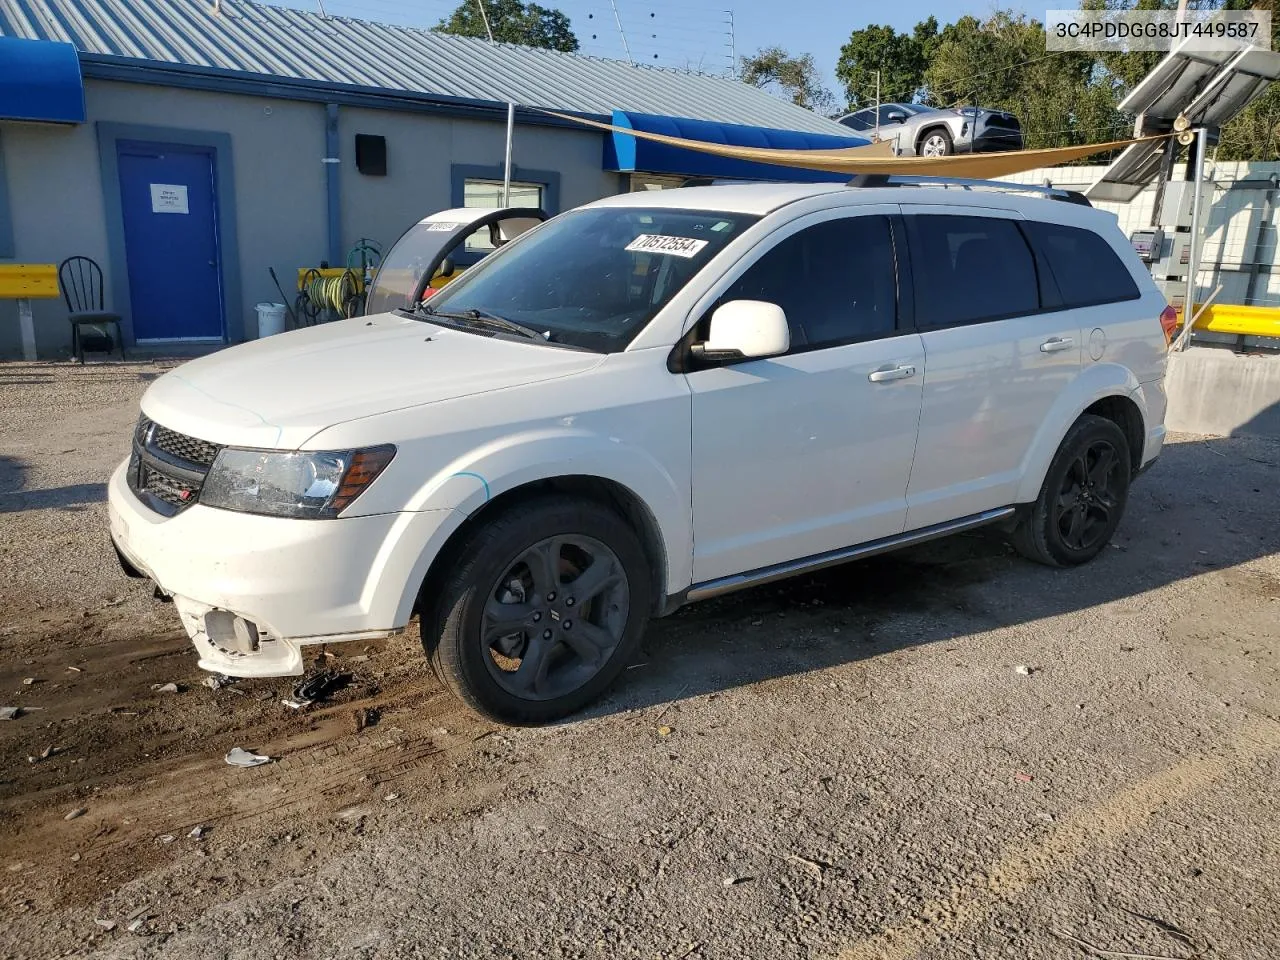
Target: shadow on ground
x,y
15,499
1171,532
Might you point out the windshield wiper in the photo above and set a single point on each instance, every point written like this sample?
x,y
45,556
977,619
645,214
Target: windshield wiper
x,y
486,319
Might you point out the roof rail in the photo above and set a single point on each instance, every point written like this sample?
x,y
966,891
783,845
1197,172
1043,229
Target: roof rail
x,y
895,180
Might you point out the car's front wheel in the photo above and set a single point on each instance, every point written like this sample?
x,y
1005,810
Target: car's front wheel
x,y
936,143
543,608
1082,498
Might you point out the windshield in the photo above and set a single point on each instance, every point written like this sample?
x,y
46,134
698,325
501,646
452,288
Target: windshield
x,y
592,278
400,272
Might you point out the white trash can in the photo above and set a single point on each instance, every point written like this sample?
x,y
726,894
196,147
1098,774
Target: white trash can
x,y
270,318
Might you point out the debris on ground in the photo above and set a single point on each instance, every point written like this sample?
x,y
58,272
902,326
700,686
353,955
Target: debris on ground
x,y
75,669
734,881
318,686
166,838
1023,670
664,731
137,925
1023,777
28,681
107,925
390,797
243,758
77,812
216,682
165,688
10,713
197,833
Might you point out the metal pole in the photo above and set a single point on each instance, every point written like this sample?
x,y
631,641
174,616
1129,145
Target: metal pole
x,y
1196,169
485,17
877,105
622,33
506,170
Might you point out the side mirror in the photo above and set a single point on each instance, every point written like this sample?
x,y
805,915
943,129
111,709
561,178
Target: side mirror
x,y
896,116
446,268
745,330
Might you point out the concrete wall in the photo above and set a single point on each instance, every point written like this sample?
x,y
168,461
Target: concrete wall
x,y
56,189
1220,393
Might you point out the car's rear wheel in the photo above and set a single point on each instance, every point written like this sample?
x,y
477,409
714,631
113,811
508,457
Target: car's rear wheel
x,y
1082,499
542,610
936,143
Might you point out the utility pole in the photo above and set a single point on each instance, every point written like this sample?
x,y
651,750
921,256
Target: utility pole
x,y
733,46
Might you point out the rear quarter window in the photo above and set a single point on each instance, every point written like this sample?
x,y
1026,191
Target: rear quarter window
x,y
1087,270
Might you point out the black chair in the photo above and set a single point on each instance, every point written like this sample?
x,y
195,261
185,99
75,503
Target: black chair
x,y
81,282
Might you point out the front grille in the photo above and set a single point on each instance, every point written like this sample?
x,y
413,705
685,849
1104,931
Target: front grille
x,y
183,447
167,468
1004,121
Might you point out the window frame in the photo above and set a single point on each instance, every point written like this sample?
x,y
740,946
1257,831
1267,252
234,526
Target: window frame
x,y
680,359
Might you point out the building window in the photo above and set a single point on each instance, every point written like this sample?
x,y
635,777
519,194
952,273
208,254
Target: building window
x,y
487,194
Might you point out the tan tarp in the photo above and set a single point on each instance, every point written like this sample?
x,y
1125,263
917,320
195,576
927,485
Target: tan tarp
x,y
877,158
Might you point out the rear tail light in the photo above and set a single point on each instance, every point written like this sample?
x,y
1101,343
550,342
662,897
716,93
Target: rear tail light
x,y
1168,323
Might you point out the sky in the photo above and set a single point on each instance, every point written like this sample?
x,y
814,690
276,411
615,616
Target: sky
x,y
694,34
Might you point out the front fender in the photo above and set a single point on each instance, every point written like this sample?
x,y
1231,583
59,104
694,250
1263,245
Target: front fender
x,y
470,481
1094,383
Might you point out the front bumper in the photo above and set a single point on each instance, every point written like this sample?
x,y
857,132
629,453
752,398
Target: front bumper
x,y
297,582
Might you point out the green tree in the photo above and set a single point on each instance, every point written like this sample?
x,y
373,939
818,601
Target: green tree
x,y
900,58
526,24
795,78
1061,98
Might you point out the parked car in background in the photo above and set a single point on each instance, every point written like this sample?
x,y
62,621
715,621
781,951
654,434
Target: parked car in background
x,y
650,400
921,131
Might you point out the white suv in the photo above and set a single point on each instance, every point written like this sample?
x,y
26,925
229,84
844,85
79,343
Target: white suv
x,y
649,400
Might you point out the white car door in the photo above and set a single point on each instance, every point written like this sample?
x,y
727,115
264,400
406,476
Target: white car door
x,y
808,452
999,353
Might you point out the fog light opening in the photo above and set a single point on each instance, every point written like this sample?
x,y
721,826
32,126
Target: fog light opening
x,y
231,632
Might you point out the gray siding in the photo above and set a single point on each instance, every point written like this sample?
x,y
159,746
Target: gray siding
x,y
56,190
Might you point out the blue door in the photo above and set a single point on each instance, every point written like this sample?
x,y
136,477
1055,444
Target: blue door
x,y
171,241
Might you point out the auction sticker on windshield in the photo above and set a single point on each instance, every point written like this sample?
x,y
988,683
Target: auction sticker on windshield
x,y
672,246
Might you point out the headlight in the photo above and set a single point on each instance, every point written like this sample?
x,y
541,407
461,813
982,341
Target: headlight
x,y
968,111
312,486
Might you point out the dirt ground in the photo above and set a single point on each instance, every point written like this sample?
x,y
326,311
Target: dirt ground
x,y
845,765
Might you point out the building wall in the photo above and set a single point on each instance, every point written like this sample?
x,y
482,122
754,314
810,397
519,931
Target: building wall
x,y
421,151
277,146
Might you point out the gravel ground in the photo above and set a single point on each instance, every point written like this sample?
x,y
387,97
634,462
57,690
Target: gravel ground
x,y
847,765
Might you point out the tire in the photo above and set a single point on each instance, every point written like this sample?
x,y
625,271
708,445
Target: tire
x,y
501,636
937,140
1048,532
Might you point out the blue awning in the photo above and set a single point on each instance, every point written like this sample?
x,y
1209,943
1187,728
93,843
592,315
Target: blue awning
x,y
40,80
628,154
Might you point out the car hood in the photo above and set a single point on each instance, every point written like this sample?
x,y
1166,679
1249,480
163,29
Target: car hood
x,y
281,390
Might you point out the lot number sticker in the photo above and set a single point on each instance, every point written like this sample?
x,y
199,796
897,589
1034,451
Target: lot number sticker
x,y
169,198
671,246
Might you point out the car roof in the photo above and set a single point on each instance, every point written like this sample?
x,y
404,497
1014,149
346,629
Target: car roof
x,y
764,198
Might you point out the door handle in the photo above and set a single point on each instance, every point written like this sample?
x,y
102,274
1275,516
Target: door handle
x,y
1054,344
892,373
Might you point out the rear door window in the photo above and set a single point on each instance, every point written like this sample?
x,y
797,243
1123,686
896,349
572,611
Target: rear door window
x,y
970,270
1087,270
836,282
